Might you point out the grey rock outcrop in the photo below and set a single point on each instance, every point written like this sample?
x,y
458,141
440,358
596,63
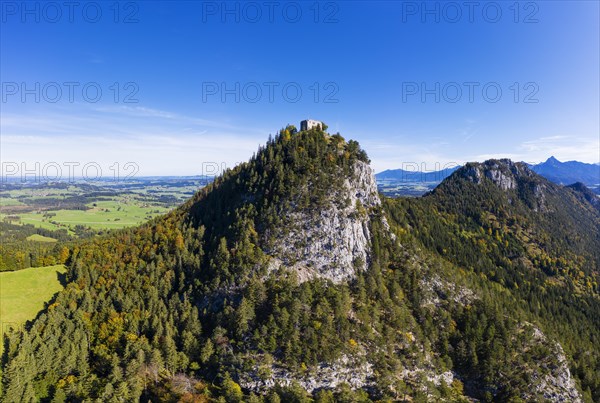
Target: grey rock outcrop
x,y
353,371
502,173
336,241
551,378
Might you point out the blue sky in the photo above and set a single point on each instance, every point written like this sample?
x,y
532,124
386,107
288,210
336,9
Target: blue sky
x,y
413,82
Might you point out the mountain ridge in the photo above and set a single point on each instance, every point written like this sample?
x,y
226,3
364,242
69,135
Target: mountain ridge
x,y
190,305
416,176
569,172
563,173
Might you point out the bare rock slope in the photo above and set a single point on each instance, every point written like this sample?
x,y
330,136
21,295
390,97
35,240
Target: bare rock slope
x,y
336,241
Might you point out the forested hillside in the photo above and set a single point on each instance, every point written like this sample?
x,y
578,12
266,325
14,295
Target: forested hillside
x,y
487,288
535,240
19,251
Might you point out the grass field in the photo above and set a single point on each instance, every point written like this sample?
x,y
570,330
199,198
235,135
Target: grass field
x,y
6,201
111,214
40,238
24,292
56,206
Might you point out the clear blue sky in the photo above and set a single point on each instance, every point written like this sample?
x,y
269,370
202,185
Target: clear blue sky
x,y
370,61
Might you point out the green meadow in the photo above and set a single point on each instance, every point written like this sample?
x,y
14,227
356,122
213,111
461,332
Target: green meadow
x,y
23,293
7,201
110,214
40,238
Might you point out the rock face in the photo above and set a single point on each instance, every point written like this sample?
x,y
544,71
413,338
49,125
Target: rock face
x,y
502,172
353,371
552,378
559,385
515,178
335,242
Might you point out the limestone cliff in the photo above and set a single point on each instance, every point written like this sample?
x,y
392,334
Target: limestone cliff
x,y
334,242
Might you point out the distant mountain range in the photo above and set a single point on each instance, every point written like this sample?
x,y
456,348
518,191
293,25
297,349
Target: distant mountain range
x,y
404,182
566,173
415,176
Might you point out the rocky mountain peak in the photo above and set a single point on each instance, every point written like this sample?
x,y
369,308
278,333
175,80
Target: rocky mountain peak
x,y
504,173
307,201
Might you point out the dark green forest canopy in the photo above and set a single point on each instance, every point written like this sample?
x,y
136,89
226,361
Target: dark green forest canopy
x,y
184,307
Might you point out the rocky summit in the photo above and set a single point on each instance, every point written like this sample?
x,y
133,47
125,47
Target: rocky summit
x,y
289,278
